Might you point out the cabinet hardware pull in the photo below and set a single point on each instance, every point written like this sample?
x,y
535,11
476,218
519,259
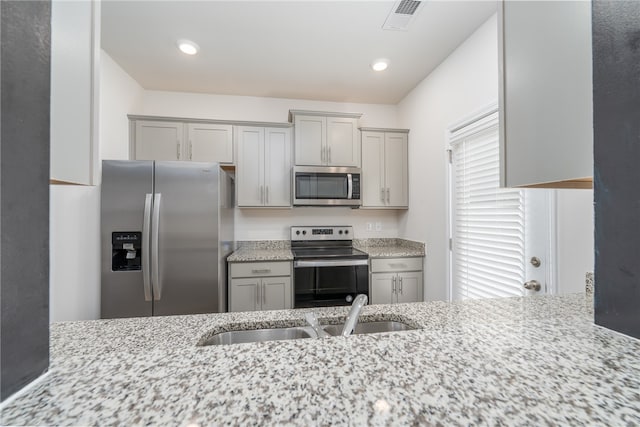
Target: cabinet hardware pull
x,y
329,159
264,294
401,285
393,285
178,150
261,195
388,195
261,271
258,295
382,194
267,197
397,265
190,150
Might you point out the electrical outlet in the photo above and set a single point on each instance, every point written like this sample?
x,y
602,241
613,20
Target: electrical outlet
x,y
369,226
378,226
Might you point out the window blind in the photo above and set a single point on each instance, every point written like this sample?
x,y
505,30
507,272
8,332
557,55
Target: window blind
x,y
487,224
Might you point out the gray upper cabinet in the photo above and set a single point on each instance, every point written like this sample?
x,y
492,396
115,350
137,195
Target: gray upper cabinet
x,y
385,171
180,139
546,130
326,139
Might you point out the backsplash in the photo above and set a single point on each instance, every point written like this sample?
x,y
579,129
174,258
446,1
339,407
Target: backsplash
x,y
263,244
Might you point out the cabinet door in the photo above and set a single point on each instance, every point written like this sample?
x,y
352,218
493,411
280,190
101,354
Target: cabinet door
x,y
310,140
343,144
250,166
396,172
243,295
277,168
159,140
276,293
409,287
210,142
382,288
546,93
372,186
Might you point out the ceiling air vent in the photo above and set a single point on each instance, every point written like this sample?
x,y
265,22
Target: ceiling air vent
x,y
401,15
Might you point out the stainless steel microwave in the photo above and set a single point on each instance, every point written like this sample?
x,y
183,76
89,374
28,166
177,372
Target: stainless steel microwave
x,y
326,186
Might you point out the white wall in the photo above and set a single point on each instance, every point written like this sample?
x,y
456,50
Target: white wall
x,y
120,95
575,247
74,234
466,82
229,107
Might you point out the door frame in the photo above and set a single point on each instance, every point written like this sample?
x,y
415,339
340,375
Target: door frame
x,y
479,120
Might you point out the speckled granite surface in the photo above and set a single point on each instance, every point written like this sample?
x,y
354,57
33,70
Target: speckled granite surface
x,y
390,247
516,361
262,250
589,282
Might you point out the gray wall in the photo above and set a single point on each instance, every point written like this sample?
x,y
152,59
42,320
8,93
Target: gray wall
x,y
616,97
24,193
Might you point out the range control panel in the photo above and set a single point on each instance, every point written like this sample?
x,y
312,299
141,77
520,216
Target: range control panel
x,y
333,232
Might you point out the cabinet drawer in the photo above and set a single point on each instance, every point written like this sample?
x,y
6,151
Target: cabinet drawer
x,y
396,264
260,269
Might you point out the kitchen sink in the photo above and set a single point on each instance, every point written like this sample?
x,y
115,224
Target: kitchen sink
x,y
259,335
371,327
302,332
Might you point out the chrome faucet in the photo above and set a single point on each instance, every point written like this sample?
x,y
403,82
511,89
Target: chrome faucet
x,y
312,320
352,319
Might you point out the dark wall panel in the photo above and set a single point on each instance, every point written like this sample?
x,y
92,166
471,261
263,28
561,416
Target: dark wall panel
x,y
24,192
616,98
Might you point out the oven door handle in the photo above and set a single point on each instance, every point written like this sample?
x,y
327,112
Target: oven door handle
x,y
330,263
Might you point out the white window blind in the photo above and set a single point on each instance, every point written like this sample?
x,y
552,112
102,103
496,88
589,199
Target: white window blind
x,y
487,222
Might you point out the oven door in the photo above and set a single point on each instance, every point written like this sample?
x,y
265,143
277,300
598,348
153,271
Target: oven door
x,y
322,283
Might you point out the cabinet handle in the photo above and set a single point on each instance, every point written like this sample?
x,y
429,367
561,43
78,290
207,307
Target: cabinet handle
x,y
264,294
190,150
267,197
261,271
261,195
178,150
388,195
397,265
401,285
329,159
258,295
393,285
323,154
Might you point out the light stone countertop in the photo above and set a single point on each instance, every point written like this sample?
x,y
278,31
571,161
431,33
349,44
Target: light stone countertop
x,y
280,250
513,361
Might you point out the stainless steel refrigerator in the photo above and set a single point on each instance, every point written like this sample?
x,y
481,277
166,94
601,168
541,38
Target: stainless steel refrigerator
x,y
167,228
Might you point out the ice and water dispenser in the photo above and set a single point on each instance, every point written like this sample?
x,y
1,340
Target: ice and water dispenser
x,y
126,251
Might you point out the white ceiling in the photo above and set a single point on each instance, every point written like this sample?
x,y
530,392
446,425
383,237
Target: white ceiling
x,y
318,50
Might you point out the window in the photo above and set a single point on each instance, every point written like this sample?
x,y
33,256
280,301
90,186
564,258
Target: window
x,y
489,224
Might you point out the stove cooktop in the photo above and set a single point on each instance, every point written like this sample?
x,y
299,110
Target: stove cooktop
x,y
328,252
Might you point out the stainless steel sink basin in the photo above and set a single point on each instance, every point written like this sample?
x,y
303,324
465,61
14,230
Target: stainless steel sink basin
x,y
259,335
371,327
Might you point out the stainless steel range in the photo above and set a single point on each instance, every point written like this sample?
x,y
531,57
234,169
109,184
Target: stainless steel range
x,y
328,270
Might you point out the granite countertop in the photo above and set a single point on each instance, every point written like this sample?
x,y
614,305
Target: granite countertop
x,y
280,250
390,248
513,361
262,250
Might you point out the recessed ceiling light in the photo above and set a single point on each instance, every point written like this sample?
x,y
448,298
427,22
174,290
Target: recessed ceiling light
x,y
188,47
380,64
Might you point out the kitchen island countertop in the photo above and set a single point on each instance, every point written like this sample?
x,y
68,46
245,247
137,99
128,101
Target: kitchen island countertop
x,y
513,361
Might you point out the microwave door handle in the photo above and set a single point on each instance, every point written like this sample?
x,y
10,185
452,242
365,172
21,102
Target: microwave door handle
x,y
349,186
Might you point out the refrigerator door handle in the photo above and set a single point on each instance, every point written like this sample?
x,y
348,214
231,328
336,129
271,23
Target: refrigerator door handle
x,y
146,229
155,262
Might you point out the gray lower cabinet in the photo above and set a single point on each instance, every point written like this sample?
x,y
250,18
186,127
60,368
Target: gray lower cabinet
x,y
260,286
396,280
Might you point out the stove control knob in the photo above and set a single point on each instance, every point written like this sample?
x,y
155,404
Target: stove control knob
x,y
349,298
340,232
304,231
346,231
298,232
